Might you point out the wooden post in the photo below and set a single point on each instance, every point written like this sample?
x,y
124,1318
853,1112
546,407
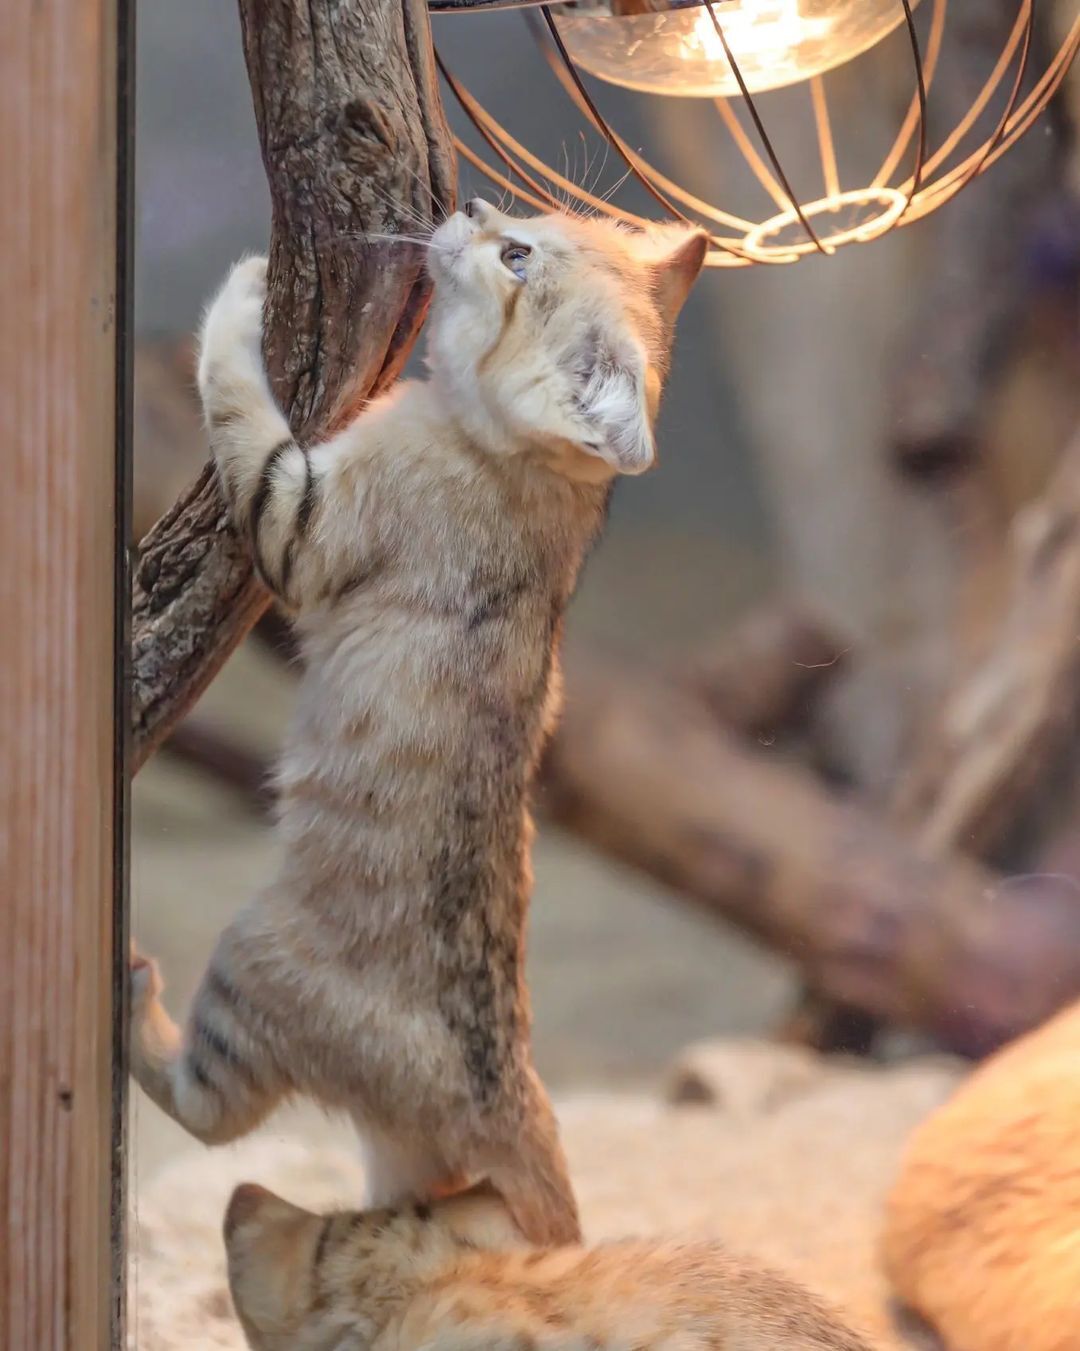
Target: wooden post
x,y
58,674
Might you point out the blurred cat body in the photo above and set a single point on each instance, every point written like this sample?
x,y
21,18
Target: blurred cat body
x,y
429,550
458,1277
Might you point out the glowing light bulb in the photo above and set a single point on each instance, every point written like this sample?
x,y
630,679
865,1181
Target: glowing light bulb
x,y
774,42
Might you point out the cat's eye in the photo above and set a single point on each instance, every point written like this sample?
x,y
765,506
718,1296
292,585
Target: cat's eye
x,y
513,256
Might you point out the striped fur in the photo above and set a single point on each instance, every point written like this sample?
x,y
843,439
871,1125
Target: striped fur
x,y
429,551
457,1277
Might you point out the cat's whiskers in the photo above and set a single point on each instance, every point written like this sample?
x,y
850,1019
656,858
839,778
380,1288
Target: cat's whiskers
x,y
607,196
438,207
404,239
598,175
404,209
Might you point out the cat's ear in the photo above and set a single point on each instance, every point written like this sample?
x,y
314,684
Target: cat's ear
x,y
253,1205
616,402
676,270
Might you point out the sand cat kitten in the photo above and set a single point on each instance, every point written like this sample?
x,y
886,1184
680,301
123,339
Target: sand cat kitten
x,y
456,1277
429,550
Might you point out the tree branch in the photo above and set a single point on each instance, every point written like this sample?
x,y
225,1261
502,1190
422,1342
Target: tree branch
x,y
353,142
935,942
1001,727
764,676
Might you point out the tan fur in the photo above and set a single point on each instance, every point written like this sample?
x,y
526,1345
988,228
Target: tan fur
x,y
458,1277
429,550
982,1232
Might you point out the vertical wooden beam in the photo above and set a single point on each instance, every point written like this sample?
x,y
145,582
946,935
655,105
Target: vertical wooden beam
x,y
123,554
58,167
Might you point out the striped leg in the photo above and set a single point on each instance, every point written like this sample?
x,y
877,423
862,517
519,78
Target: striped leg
x,y
268,479
301,507
215,1081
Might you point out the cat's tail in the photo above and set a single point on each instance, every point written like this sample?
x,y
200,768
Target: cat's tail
x,y
533,1179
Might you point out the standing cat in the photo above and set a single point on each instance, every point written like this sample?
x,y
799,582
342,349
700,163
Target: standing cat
x,y
429,550
456,1277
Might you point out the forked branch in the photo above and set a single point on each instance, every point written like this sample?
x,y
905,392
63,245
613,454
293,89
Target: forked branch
x,y
354,144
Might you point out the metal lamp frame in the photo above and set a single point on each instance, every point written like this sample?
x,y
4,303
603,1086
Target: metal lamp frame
x,y
911,181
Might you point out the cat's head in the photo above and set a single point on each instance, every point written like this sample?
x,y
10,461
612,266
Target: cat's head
x,y
311,1282
555,332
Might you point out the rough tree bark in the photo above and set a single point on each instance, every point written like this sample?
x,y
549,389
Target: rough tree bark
x,y
926,940
353,142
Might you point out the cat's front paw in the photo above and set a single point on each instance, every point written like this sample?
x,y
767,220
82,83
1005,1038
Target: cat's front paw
x,y
232,330
146,984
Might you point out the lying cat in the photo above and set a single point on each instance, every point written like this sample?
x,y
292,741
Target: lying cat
x,y
429,550
457,1276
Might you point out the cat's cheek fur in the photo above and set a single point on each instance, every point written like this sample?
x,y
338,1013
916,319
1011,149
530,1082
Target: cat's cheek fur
x,y
616,408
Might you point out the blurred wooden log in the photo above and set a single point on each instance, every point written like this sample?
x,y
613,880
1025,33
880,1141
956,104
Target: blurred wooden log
x,y
170,444
994,267
1001,726
764,675
197,742
758,679
993,752
353,141
828,1026
928,940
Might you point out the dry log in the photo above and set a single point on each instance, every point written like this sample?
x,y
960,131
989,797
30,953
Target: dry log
x,y
210,748
1004,722
759,679
827,1026
927,940
353,141
763,676
168,435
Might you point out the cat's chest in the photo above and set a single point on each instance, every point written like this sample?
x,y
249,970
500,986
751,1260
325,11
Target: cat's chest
x,y
493,523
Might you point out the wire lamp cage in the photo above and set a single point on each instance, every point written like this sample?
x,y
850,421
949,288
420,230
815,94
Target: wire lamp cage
x,y
732,53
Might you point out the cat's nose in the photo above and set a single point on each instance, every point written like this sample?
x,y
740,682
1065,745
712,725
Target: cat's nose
x,y
476,208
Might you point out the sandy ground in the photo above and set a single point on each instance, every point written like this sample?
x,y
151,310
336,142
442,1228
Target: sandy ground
x,y
788,1165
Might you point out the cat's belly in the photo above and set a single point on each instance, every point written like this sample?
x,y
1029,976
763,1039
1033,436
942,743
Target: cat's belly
x,y
384,773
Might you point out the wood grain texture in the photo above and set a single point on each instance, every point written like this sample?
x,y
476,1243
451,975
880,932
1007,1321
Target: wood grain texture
x,y
353,143
57,353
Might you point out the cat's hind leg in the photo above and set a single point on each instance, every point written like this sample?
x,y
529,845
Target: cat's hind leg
x,y
212,1078
527,1167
